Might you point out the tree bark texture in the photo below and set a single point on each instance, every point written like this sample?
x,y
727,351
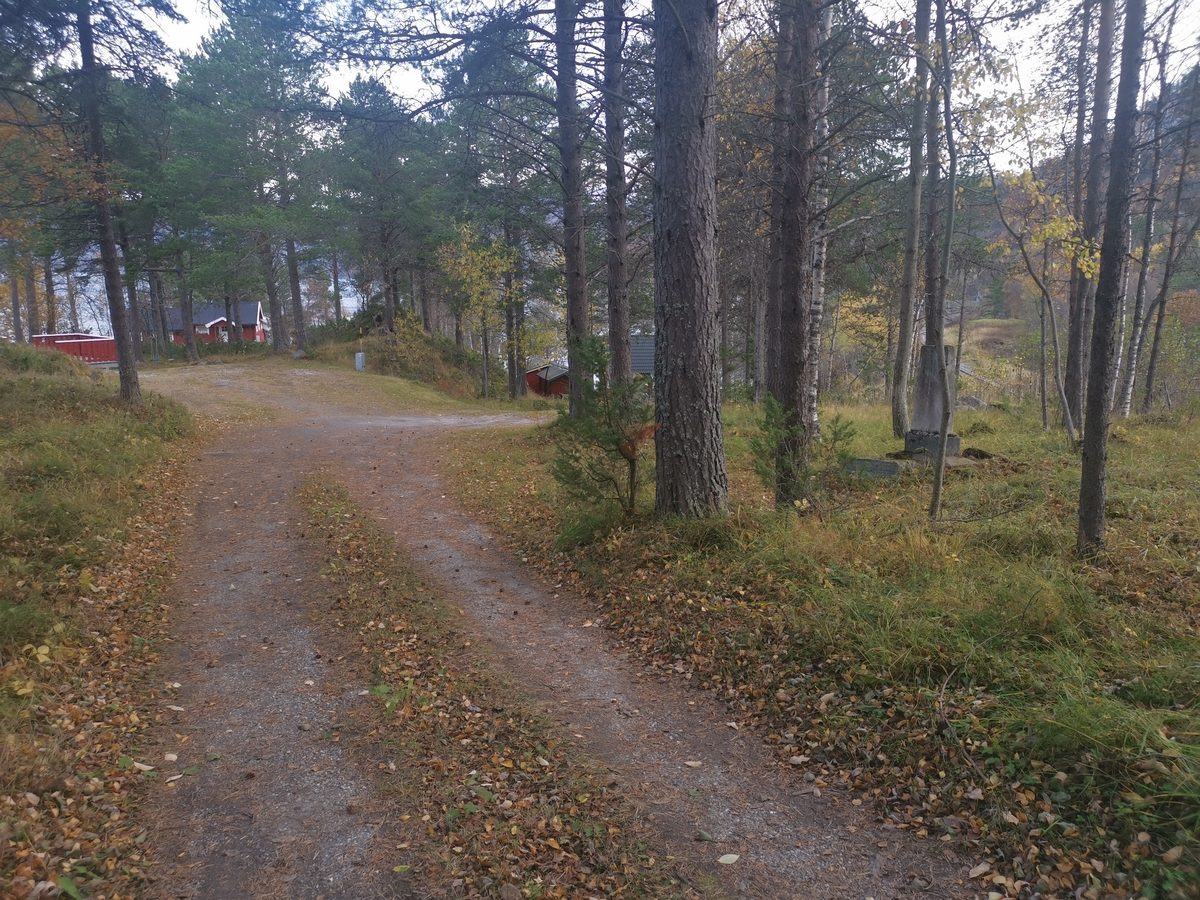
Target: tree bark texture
x,y
616,191
689,448
390,293
1080,327
912,236
1108,286
947,75
1138,330
1076,286
784,46
33,314
293,267
51,299
238,326
90,75
426,302
158,306
135,312
186,319
934,313
266,254
570,149
14,284
337,291
796,237
72,302
1178,240
812,422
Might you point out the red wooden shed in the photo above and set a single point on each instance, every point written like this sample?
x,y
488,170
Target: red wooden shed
x,y
549,380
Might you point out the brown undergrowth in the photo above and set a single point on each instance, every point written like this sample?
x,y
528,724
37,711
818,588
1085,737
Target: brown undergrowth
x,y
493,801
967,679
88,508
80,704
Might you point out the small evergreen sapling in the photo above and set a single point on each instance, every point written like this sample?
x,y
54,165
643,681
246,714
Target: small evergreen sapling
x,y
804,479
603,452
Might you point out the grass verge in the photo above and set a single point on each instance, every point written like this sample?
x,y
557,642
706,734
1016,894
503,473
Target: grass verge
x,y
495,802
86,518
969,677
408,353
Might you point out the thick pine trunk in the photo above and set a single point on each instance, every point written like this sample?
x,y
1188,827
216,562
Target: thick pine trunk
x,y
1108,287
934,313
426,303
938,305
796,237
390,292
1077,285
570,149
902,366
691,479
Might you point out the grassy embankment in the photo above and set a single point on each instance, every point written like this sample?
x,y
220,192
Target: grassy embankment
x,y
84,524
971,679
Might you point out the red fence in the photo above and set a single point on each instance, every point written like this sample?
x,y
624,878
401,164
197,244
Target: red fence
x,y
88,347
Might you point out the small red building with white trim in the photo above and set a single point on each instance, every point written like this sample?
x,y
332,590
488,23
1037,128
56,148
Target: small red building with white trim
x,y
210,325
88,347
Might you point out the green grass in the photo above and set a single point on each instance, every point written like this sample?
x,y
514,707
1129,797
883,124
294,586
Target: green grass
x,y
1018,661
409,353
70,458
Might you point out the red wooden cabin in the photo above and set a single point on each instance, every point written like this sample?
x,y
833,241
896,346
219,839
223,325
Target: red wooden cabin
x,y
549,380
210,324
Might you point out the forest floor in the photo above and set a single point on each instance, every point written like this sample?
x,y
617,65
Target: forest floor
x,y
277,775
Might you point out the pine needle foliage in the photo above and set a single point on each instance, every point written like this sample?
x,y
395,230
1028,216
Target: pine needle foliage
x,y
602,453
808,477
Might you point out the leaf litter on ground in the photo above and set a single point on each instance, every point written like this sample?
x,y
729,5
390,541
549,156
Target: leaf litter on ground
x,y
75,772
931,754
492,799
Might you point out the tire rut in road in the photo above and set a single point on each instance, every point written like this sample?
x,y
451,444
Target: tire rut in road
x,y
273,808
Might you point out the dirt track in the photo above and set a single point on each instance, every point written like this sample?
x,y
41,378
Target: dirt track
x,y
275,809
